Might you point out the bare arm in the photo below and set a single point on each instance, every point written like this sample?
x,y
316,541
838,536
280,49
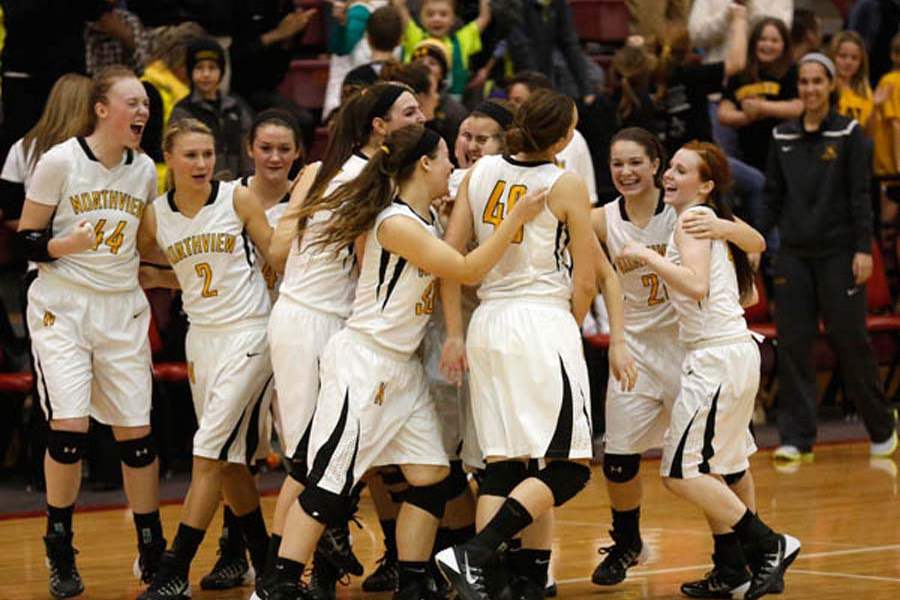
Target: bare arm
x,y
704,225
569,201
484,14
691,278
404,237
251,212
621,363
782,109
286,229
736,59
598,223
731,115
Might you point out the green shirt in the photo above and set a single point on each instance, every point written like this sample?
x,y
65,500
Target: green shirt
x,y
461,44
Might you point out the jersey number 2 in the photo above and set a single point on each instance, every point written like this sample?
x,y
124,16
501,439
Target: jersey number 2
x,y
652,281
498,206
204,272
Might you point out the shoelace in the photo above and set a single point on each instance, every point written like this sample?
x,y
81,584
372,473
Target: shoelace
x,y
624,556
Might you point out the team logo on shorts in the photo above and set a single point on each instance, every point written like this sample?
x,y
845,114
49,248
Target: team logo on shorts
x,y
829,154
379,394
49,318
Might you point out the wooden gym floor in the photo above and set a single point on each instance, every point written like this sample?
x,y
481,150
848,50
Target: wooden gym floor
x,y
844,508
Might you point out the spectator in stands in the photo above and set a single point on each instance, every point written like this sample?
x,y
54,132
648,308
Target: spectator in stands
x,y
545,28
45,39
349,45
764,94
682,87
450,112
227,116
634,69
876,21
886,136
806,33
418,77
438,18
648,17
708,27
576,156
116,38
851,61
265,33
166,81
817,193
384,30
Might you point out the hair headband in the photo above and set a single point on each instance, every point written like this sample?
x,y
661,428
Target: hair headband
x,y
426,144
385,101
818,57
496,112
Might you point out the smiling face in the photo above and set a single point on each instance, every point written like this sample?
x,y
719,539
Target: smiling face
x,y
437,17
814,86
683,184
192,159
405,111
770,46
205,77
518,93
273,151
848,60
125,112
481,136
437,170
632,169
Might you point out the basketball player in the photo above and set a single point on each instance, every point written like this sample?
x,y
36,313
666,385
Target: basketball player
x,y
373,407
636,419
203,228
88,317
316,298
708,436
540,290
274,145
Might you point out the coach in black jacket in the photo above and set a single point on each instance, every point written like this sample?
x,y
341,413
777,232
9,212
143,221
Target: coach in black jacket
x,y
817,194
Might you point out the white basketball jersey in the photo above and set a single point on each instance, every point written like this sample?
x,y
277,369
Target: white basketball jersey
x,y
647,305
317,277
213,259
394,299
537,263
719,315
273,214
112,200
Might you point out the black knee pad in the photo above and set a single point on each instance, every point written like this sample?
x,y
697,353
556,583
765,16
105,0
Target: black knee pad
x,y
392,475
733,478
565,479
66,447
621,468
299,472
456,482
326,507
500,478
430,498
137,453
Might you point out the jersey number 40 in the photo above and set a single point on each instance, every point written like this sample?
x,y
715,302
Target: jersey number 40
x,y
501,203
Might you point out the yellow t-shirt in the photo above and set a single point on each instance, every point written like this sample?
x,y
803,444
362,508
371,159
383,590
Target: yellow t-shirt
x,y
883,137
468,39
851,104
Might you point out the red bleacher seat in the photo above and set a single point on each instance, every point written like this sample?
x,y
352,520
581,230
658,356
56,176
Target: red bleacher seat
x,y
305,82
602,21
758,316
598,340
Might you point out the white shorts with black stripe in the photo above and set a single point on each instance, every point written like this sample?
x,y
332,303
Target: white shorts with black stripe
x,y
297,337
91,352
710,427
528,380
231,384
373,409
451,402
636,420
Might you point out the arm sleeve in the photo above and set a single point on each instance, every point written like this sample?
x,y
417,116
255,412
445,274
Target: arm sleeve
x,y
773,192
571,48
48,179
343,38
708,23
859,158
